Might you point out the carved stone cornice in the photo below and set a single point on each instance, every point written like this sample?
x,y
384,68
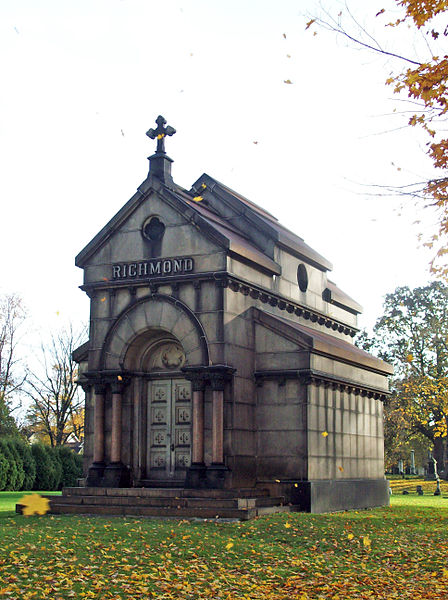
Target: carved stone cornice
x,y
311,376
236,284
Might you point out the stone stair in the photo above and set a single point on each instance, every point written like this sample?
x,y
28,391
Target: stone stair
x,y
238,504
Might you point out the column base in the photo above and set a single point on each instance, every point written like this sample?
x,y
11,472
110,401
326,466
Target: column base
x,y
196,476
95,474
116,475
215,475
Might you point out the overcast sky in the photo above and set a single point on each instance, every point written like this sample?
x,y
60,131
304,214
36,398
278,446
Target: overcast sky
x,y
82,81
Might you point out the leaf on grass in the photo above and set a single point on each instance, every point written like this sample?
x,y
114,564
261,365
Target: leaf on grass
x,y
366,541
229,545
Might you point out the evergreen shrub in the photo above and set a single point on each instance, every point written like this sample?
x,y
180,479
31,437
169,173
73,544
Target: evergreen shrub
x,y
71,466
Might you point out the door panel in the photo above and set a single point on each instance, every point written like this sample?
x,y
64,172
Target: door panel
x,y
169,428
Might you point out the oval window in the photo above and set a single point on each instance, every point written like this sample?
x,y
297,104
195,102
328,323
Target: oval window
x,y
302,277
153,229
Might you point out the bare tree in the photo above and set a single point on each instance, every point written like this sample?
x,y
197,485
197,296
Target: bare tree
x,y
57,406
12,315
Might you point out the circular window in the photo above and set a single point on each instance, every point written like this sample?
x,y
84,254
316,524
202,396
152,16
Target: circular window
x,y
302,277
153,229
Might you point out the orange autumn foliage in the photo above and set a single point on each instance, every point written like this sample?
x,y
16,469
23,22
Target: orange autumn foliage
x,y
427,84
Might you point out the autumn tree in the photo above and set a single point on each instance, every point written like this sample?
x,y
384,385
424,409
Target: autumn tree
x,y
12,315
423,80
412,335
57,409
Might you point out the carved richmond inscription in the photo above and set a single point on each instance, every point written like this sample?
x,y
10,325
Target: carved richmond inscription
x,y
152,268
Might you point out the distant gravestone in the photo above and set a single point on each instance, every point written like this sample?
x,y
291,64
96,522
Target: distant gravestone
x,y
419,490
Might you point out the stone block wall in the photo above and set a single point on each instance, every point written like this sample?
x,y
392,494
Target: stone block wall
x,y
345,434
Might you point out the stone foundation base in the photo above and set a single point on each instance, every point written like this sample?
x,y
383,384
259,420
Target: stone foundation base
x,y
336,495
116,475
95,474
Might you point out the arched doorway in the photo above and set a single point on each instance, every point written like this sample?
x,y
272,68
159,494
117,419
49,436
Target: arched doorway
x,y
166,401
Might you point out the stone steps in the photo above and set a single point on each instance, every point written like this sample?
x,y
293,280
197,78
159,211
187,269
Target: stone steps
x,y
240,504
168,502
168,512
166,492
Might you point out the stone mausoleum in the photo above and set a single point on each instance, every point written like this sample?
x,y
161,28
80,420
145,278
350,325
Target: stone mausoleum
x,y
221,355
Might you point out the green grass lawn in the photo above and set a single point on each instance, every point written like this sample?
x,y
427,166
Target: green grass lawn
x,y
397,552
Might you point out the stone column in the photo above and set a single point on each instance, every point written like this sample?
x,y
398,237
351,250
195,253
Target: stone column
x,y
218,376
115,446
96,469
218,421
196,473
98,431
116,473
198,422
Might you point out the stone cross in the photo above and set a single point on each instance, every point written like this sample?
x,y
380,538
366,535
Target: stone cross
x,y
160,132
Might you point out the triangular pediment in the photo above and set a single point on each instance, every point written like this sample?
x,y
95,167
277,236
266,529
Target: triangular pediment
x,y
150,199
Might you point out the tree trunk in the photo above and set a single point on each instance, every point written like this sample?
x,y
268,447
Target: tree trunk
x,y
438,454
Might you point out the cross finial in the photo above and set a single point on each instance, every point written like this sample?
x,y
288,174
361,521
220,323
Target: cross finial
x,y
160,132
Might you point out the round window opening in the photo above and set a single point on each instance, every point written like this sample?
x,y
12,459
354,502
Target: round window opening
x,y
153,229
302,278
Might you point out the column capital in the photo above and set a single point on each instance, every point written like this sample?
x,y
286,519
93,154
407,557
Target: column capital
x,y
219,375
214,375
100,388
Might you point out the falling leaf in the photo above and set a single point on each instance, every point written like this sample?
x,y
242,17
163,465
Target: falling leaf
x,y
203,186
296,485
409,358
255,143
198,198
324,433
103,299
277,481
308,25
105,279
341,469
288,56
379,13
284,36
160,136
57,313
120,378
287,81
34,504
122,132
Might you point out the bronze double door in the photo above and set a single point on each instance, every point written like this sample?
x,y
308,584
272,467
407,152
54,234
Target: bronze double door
x,y
169,429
